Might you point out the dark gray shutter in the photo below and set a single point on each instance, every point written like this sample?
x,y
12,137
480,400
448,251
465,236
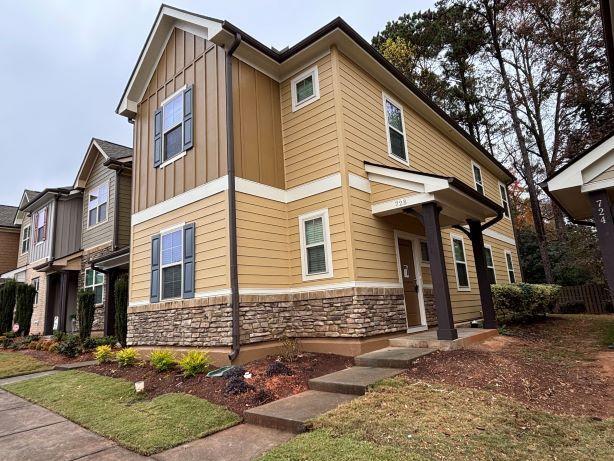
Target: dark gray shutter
x,y
154,295
188,260
188,127
157,137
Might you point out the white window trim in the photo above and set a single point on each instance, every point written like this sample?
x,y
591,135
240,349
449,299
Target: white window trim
x,y
507,199
163,232
385,98
507,268
316,88
492,258
474,165
328,254
94,284
23,233
166,161
97,206
40,242
458,286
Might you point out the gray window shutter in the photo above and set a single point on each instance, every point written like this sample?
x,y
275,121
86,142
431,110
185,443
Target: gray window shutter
x,y
188,260
188,127
157,137
154,295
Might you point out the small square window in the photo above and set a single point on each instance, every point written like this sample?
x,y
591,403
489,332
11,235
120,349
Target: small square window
x,y
305,88
395,130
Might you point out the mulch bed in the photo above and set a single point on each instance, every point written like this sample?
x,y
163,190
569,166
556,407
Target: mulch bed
x,y
266,389
551,365
55,358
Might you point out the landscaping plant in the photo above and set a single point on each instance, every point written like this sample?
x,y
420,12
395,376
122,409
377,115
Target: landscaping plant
x,y
70,346
87,306
162,360
237,385
103,354
121,309
278,368
89,343
523,302
24,305
7,305
126,357
234,372
195,362
106,341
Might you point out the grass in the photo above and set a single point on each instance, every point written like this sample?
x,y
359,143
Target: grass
x,y
403,421
16,364
111,408
607,332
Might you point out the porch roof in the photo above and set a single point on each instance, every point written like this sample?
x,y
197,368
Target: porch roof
x,y
412,189
116,259
71,262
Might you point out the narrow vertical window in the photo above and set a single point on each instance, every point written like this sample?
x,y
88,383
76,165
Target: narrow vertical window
x,y
504,200
35,284
25,239
172,264
395,130
315,246
305,88
172,118
424,252
40,225
490,266
94,281
477,178
511,275
460,263
97,204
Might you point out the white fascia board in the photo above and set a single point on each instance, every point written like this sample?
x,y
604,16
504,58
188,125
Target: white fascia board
x,y
430,183
360,183
398,204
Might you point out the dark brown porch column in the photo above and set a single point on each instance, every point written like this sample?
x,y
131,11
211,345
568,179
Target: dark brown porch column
x,y
477,242
63,300
109,307
602,214
441,290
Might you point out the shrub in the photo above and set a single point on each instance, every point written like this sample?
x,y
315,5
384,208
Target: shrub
x,y
59,335
121,309
572,307
126,357
236,386
70,347
234,372
54,347
262,396
162,360
87,306
103,354
106,341
289,349
194,362
45,345
278,368
24,305
33,345
89,343
7,305
523,302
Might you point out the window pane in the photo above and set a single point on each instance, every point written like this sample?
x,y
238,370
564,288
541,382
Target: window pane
x,y
459,254
394,116
93,216
171,248
171,282
478,174
304,89
463,280
103,193
491,276
488,256
102,212
508,259
89,278
99,278
98,294
314,232
40,234
512,277
172,143
93,200
397,144
479,188
424,251
316,260
173,112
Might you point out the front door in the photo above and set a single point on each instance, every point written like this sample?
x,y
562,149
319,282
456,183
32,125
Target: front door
x,y
410,283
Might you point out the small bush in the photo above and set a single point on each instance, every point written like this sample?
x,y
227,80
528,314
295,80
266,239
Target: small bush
x,y
103,354
121,309
7,304
89,344
87,305
33,345
24,306
262,396
523,302
572,307
70,347
59,335
162,360
278,368
237,386
126,357
289,349
45,345
234,372
54,347
195,362
106,341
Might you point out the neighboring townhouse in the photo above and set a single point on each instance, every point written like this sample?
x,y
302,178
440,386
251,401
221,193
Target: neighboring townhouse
x,y
105,179
312,193
9,238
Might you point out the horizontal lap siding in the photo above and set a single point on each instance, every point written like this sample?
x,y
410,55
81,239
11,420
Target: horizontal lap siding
x,y
211,261
9,247
384,192
465,304
101,233
498,256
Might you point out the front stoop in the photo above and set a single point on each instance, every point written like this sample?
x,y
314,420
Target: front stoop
x,y
428,339
353,380
391,357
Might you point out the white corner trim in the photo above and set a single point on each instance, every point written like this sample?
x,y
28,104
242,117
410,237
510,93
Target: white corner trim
x,y
290,195
173,159
360,183
312,71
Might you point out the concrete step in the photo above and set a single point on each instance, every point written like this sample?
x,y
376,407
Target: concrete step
x,y
428,339
391,357
74,365
293,413
354,380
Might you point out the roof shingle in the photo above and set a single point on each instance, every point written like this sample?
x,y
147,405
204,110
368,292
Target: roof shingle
x,y
113,150
7,215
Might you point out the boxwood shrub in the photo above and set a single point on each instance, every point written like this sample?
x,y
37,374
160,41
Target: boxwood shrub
x,y
523,302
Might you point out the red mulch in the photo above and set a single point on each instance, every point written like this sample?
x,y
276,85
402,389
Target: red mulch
x,y
306,367
55,358
554,365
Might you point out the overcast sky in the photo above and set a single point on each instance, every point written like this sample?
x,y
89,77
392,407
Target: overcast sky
x,y
65,63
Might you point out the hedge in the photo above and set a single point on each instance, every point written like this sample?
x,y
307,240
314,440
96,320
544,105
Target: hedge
x,y
87,307
523,302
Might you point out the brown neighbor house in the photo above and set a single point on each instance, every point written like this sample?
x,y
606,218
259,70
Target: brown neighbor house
x,y
312,193
9,238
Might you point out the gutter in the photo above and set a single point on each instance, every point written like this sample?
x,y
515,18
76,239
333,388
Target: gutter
x,y
232,205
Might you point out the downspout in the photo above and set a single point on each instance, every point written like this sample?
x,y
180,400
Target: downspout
x,y
232,207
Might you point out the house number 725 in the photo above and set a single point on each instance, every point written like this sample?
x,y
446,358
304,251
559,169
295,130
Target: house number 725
x,y
600,211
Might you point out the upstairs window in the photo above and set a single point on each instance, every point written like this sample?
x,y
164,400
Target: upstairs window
x,y
305,88
172,116
460,263
395,131
173,127
511,275
172,263
94,280
97,204
25,239
504,200
316,256
40,226
477,178
490,266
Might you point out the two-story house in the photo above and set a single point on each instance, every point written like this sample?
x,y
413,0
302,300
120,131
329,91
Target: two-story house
x,y
9,238
312,193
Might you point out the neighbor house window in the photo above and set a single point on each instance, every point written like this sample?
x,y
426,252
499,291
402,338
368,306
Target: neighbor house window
x,y
25,240
460,263
40,225
94,280
424,252
172,263
97,204
505,203
477,178
172,126
395,131
511,275
35,284
305,88
316,254
490,266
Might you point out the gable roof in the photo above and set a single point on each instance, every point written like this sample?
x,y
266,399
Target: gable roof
x,y
109,150
7,216
113,150
44,195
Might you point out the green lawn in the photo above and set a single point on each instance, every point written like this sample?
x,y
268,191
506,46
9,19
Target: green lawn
x,y
111,408
15,364
403,421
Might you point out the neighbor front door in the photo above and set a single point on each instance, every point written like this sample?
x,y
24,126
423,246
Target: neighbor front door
x,y
410,283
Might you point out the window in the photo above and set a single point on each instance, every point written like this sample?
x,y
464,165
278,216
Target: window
x,y
40,225
305,88
460,263
35,284
395,131
490,266
504,200
172,127
477,178
97,204
172,263
424,252
511,275
316,256
95,281
25,240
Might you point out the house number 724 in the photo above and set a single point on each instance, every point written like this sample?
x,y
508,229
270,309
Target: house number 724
x,y
600,211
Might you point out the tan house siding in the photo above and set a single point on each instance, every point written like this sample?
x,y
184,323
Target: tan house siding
x,y
102,232
9,247
124,202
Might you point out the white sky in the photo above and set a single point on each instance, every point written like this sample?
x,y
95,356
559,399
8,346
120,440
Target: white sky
x,y
65,63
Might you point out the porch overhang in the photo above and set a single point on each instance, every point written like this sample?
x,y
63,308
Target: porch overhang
x,y
70,262
458,202
119,259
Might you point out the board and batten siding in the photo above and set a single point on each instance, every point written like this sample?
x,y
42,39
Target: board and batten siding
x,y
103,232
41,250
67,228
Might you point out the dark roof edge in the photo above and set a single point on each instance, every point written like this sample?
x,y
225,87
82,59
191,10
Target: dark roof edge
x,y
54,190
113,254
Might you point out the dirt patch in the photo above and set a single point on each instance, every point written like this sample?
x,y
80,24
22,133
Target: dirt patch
x,y
266,389
54,358
606,360
552,365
